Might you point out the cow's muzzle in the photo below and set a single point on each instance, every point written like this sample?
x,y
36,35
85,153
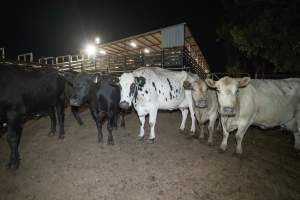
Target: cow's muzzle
x,y
74,102
124,105
201,103
228,111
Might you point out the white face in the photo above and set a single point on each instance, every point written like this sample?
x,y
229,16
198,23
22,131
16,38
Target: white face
x,y
199,93
227,91
127,84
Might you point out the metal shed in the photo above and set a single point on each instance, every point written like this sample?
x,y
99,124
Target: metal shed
x,y
172,47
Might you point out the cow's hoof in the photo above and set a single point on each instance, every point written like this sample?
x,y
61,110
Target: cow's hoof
x,y
13,165
210,144
100,140
189,137
110,142
183,132
151,141
193,135
238,155
61,137
141,138
221,150
82,126
51,133
202,140
123,125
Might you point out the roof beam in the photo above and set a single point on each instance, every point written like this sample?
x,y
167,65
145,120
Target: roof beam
x,y
146,46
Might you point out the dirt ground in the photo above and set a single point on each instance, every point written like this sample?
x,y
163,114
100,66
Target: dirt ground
x,y
176,167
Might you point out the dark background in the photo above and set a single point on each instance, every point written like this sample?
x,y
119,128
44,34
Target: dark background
x,y
53,28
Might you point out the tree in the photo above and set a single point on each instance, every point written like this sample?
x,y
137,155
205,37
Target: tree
x,y
262,35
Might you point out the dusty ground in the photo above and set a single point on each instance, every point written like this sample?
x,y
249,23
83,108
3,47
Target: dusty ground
x,y
174,168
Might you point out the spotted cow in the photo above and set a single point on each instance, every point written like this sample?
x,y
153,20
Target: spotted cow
x,y
151,89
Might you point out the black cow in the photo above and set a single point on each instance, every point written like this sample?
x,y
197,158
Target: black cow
x,y
27,91
69,91
102,98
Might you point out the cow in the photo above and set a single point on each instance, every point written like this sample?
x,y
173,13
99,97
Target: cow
x,y
3,128
149,89
27,91
264,103
205,106
69,91
102,98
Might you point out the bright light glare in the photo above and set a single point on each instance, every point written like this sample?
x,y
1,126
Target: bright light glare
x,y
102,52
97,40
133,44
146,50
90,50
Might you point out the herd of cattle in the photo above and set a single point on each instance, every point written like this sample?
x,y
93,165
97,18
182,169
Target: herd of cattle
x,y
237,103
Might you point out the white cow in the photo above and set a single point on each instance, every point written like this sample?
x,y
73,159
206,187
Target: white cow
x,y
150,89
265,103
205,106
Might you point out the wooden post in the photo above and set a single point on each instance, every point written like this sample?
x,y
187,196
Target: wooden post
x,y
70,62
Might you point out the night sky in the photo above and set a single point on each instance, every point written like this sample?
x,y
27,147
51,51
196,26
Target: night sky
x,y
61,27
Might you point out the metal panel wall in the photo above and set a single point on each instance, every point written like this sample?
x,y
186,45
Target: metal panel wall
x,y
172,36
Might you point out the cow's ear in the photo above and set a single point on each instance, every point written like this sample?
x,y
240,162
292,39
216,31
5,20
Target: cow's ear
x,y
244,81
96,77
140,81
211,83
114,81
187,85
68,76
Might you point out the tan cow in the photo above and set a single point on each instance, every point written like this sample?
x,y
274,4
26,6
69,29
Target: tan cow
x,y
205,106
265,103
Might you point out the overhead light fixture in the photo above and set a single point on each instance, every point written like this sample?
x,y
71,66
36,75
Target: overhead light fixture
x,y
133,44
146,50
97,40
90,50
102,52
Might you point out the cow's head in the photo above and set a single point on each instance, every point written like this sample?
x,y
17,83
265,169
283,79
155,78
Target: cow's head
x,y
227,91
81,84
129,86
199,92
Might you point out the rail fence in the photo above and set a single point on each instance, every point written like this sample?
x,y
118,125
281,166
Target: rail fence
x,y
177,59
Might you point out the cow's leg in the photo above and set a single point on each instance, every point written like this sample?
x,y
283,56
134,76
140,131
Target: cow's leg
x,y
52,121
13,139
152,121
115,121
98,120
110,123
239,137
198,117
184,113
297,134
223,145
122,119
60,112
211,128
142,123
192,113
75,112
202,130
297,140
